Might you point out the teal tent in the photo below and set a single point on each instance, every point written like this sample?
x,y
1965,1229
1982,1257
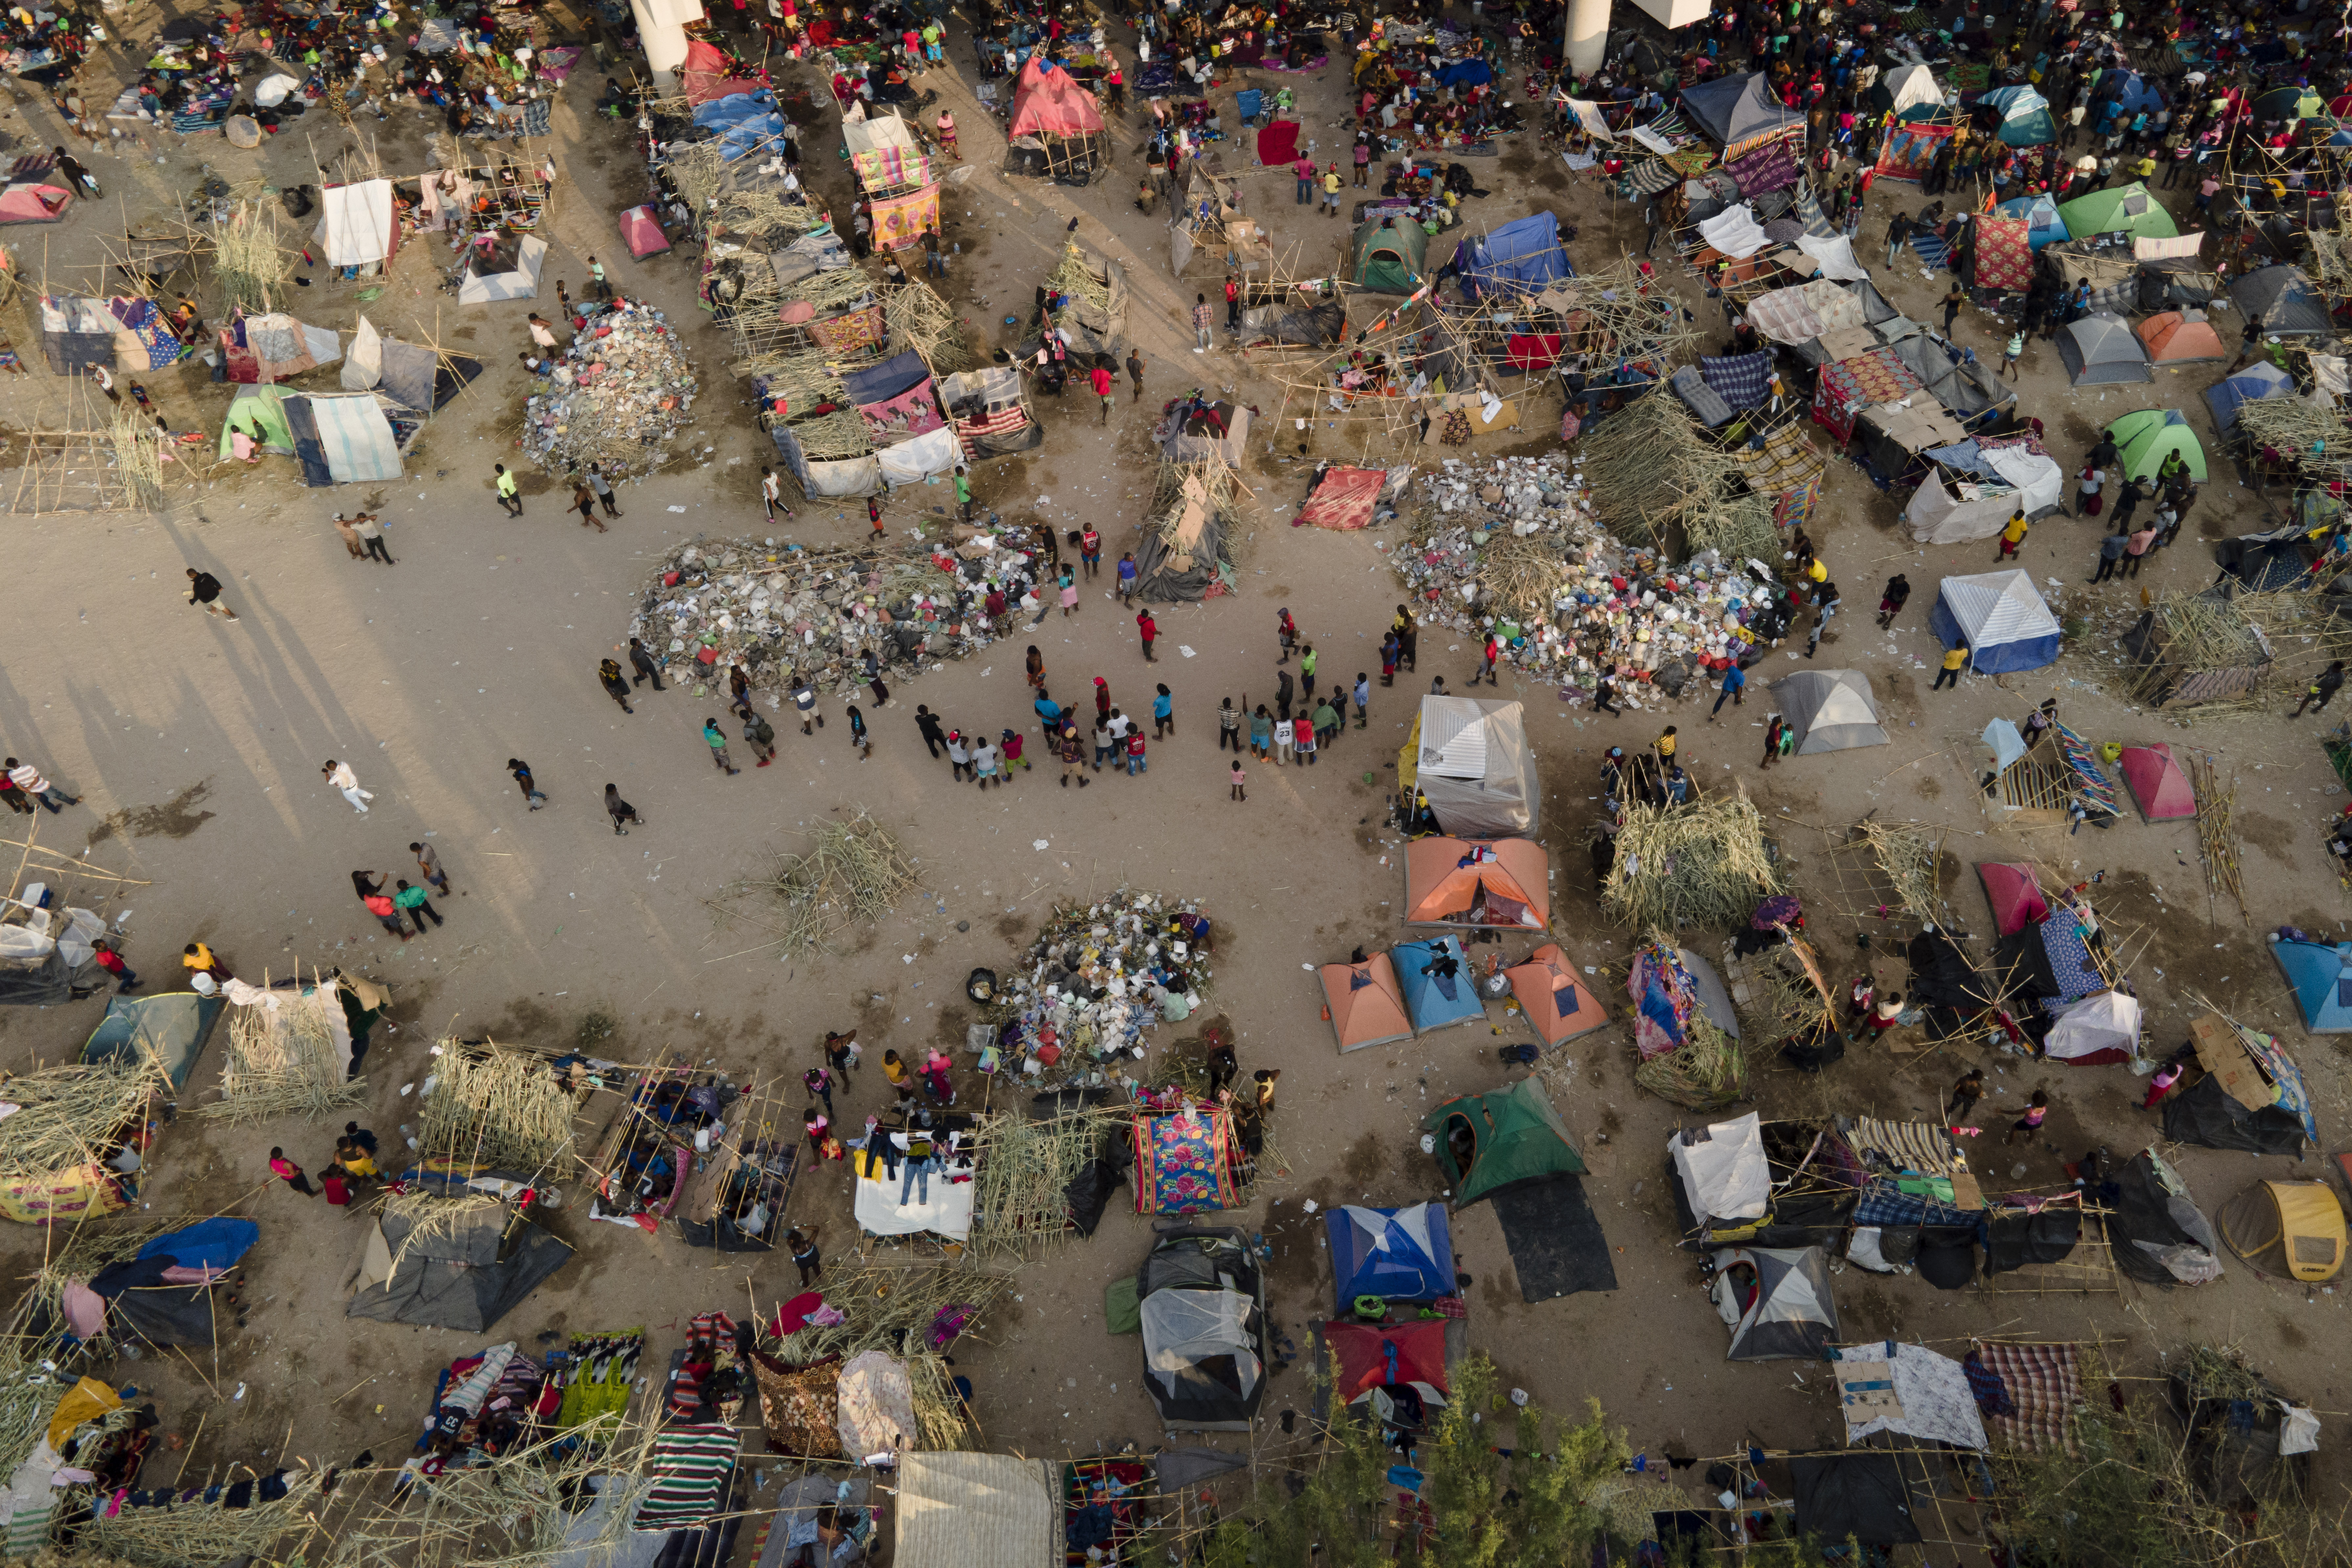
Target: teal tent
x,y
171,1028
2124,209
2321,978
1489,1141
1386,256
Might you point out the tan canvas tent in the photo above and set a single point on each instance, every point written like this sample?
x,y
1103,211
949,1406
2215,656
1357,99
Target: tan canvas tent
x,y
2291,1228
977,1511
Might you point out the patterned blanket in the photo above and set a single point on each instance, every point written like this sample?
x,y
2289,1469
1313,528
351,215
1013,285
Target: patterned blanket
x,y
1183,1161
2027,1392
800,1409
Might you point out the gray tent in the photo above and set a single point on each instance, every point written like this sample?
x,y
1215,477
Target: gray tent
x,y
170,1029
2100,351
426,1268
1473,762
1777,1302
1205,1329
1830,710
2285,300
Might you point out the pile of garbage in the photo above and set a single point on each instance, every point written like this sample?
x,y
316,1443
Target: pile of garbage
x,y
615,398
786,612
1509,546
1092,983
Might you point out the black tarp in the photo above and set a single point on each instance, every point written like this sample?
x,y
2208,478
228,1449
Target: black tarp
x,y
1554,1237
1313,326
1945,984
463,1276
2026,961
1858,1495
41,982
2206,1114
141,1306
1807,1218
69,351
2145,1218
2014,1241
1207,1389
2263,562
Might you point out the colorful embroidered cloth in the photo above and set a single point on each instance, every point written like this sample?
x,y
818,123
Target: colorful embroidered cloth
x,y
2004,258
1663,1000
1183,1161
2091,784
799,1409
1772,168
847,333
890,166
900,221
1852,386
2038,1387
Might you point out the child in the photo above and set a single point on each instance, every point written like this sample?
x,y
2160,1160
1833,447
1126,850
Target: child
x,y
1963,1099
2025,1126
873,514
1886,1014
1238,793
1860,995
805,1254
936,1082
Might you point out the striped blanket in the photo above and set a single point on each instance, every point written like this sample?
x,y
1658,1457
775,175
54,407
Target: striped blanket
x,y
2027,1392
688,1475
1003,421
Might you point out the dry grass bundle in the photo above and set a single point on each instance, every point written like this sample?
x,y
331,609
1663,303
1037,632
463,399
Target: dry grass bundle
x,y
285,1060
925,322
2318,440
493,1106
1655,475
1615,313
1707,1072
898,1309
1525,574
802,377
250,259
698,169
1736,526
830,291
766,217
2199,632
1077,277
201,1534
853,873
1019,1207
88,1248
2217,830
427,1215
833,437
1907,853
1700,865
74,1115
138,455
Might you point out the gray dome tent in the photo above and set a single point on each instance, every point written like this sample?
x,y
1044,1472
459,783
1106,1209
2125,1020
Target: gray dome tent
x,y
1205,1329
452,1263
1830,710
2100,351
1777,1302
1472,760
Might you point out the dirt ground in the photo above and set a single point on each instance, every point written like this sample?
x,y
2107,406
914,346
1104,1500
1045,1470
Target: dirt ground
x,y
197,747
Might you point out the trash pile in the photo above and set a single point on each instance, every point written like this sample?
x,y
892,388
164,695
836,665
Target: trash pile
x,y
786,611
616,396
1509,546
1097,978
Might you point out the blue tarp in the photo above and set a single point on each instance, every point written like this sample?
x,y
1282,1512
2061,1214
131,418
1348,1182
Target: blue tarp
x,y
2321,978
1396,1254
743,120
879,383
207,1244
1476,73
2042,224
2256,381
1429,1002
1521,257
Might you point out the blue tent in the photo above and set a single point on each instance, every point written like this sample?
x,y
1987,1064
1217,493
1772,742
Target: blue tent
x,y
1430,1001
2021,116
2321,977
214,1244
1396,1254
1523,256
170,1029
2042,224
2002,617
2258,381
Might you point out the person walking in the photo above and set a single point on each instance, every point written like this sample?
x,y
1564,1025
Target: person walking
x,y
1961,1102
369,532
1148,629
1891,600
2161,1085
804,704
109,957
1135,373
2322,690
602,487
2013,534
648,668
2111,556
1129,573
2088,483
870,664
927,725
1898,232
418,906
1104,382
1954,298
292,1175
1203,316
761,736
1825,605
341,776
772,495
1072,750
1734,691
27,779
1069,595
1955,658
807,1257
615,685
715,738
1488,654
620,810
520,770
2011,353
1238,778
205,592
510,494
428,864
370,888
1163,713
2136,551
1772,729
2037,1110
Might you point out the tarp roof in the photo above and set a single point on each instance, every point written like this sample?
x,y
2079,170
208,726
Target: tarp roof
x,y
358,223
1830,710
1516,1135
1366,1003
1557,1004
2284,296
1523,256
2002,616
1434,1000
977,1511
2014,893
1738,109
1396,1254
462,1272
1858,1495
1725,1178
1473,762
169,1029
2159,1234
1486,883
1048,101
2158,785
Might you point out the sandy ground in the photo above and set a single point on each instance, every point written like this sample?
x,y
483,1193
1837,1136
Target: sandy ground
x,y
197,746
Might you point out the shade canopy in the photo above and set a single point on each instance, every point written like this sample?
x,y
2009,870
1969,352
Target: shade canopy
x,y
1476,884
1557,1004
1492,1140
1366,1004
1830,710
1396,1254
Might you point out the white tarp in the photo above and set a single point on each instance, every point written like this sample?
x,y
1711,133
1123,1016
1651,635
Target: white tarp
x,y
273,89
1836,258
1724,1176
2150,247
1588,114
933,453
1942,516
522,283
948,1214
1905,1388
355,437
2008,747
1911,86
1735,232
2107,1021
358,225
1802,313
364,365
843,476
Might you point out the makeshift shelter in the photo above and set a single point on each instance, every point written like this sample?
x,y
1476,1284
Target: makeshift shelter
x,y
1686,1030
2266,1106
1385,256
2020,116
1973,490
1776,1301
1477,883
967,1511
2321,978
458,1263
274,347
1395,1254
1907,1390
2100,1030
1907,92
1946,985
2015,896
1723,1179
1486,1142
2188,649
1433,997
1048,101
77,1131
2118,209
1187,1160
641,231
2285,300
990,412
2099,349
2292,1229
1522,258
168,1030
341,438
357,224
1344,499
2042,224
1369,1359
1218,433
1365,1003
34,200
1472,761
2002,618
508,277
2159,787
1740,113
1830,710
2258,381
1556,1004
1859,1496
2155,1229
1205,1330
45,959
2001,254
888,1206
2176,338
2146,437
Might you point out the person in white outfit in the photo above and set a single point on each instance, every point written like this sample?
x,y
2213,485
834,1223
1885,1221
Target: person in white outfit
x,y
341,776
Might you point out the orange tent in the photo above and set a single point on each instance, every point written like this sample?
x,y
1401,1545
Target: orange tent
x,y
1557,1003
1443,879
2173,339
1366,1003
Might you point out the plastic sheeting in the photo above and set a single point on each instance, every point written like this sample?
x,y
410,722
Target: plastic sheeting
x,y
358,223
519,283
354,438
1735,232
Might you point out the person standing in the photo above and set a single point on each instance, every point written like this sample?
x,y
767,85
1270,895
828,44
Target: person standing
x,y
1135,760
1324,721
1229,725
1961,1102
2161,1085
1070,587
1148,630
1090,550
2322,690
2037,1110
341,776
1954,298
1073,751
1363,696
963,493
289,1173
806,1255
1408,633
2088,483
1771,741
870,665
958,756
520,770
1488,654
1203,316
715,738
1389,648
107,956
926,724
370,531
1103,383
1233,304
1825,605
1163,713
204,591
28,779
2136,550
1898,231
429,863
1955,658
858,739
1260,732
1890,602
2111,556
615,685
1734,691
1307,665
1238,778
1286,737
805,703
1127,574
510,495
350,536
620,810
761,736
414,900
648,668
1135,373
603,490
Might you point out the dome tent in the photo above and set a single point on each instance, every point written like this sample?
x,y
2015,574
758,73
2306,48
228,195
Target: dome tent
x,y
2015,897
1478,885
1434,999
2283,298
2159,787
2100,1030
1366,1004
1489,1141
2021,116
1776,1301
2100,351
1556,1004
1471,760
2258,381
1907,92
1830,710
2182,338
1396,1254
2002,618
2146,436
1386,256
1202,1302
2120,209
2321,978
2042,224
2294,1230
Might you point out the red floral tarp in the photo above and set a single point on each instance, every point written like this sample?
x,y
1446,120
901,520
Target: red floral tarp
x,y
1344,499
1184,1161
1852,386
2004,258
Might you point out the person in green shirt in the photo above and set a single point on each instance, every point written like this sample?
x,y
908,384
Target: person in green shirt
x,y
2011,351
717,739
506,495
1307,670
963,492
420,908
1326,721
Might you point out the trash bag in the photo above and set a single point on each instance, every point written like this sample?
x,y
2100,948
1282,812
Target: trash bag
x,y
981,984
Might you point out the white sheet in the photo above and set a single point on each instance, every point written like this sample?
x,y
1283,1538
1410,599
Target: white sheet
x,y
948,1213
1836,256
911,461
1929,1398
355,438
358,223
1735,232
2038,479
363,366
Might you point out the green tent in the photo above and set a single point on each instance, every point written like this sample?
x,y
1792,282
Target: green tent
x,y
171,1028
1385,256
1513,1133
2147,437
259,413
2126,209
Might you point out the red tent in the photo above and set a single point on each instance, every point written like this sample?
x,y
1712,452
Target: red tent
x,y
642,232
705,73
2015,897
1364,1357
2157,784
33,202
1047,101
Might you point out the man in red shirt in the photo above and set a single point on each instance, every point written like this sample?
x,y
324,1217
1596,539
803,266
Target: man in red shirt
x,y
1149,629
1304,170
1103,381
1233,304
